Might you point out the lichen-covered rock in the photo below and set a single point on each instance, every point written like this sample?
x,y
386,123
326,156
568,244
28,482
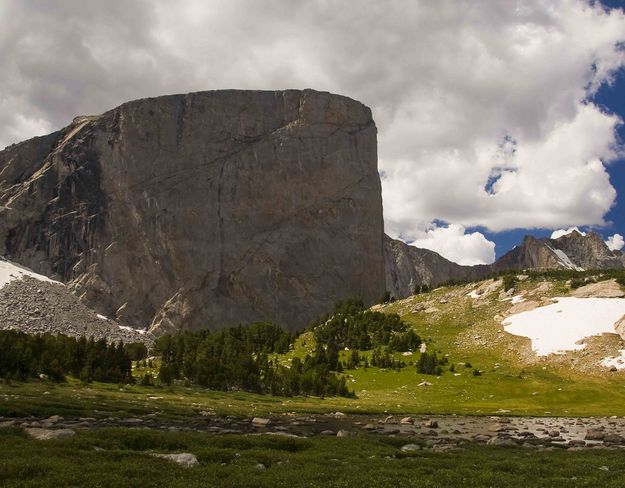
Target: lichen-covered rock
x,y
203,210
185,459
619,327
602,289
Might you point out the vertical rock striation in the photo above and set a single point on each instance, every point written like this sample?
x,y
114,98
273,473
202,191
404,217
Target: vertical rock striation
x,y
203,210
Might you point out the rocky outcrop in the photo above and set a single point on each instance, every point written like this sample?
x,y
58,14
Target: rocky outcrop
x,y
619,327
185,459
602,289
589,251
40,434
203,210
407,267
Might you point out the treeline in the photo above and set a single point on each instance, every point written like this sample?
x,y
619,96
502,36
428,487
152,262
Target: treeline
x,y
578,278
25,356
416,290
242,358
354,327
582,280
569,274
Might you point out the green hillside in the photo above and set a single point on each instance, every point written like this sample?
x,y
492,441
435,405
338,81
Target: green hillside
x,y
483,370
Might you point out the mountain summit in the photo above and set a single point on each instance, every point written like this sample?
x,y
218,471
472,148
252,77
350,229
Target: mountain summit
x,y
571,251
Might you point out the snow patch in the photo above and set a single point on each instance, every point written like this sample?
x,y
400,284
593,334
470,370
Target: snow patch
x,y
10,271
125,327
513,299
563,259
617,361
102,317
560,327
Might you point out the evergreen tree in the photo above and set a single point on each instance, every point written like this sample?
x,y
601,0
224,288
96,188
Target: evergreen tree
x,y
55,357
429,364
239,359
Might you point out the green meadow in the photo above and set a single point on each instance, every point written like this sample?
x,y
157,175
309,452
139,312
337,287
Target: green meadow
x,y
123,458
510,381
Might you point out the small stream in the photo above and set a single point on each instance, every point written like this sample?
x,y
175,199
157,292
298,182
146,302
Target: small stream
x,y
434,431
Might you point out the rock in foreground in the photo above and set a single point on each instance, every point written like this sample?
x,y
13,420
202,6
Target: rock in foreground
x,y
185,459
49,434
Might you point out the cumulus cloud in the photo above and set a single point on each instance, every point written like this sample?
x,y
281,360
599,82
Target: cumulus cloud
x,y
455,244
562,232
482,106
515,143
615,242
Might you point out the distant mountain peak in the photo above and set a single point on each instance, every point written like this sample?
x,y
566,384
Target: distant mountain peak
x,y
575,250
409,266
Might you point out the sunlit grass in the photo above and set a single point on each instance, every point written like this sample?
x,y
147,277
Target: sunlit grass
x,y
507,383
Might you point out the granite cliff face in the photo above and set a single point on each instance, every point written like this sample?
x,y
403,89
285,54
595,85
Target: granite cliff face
x,y
203,210
532,253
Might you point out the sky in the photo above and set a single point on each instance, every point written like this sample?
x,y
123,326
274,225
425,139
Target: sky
x,y
495,119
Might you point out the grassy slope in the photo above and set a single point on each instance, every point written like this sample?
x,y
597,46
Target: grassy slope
x,y
509,381
123,460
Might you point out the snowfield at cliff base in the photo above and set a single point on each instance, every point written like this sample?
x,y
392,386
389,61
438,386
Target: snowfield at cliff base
x,y
10,272
562,326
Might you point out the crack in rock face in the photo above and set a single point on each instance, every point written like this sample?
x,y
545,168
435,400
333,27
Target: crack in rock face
x,y
203,210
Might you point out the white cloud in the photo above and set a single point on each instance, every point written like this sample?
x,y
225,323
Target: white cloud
x,y
615,242
562,232
481,105
518,119
453,243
